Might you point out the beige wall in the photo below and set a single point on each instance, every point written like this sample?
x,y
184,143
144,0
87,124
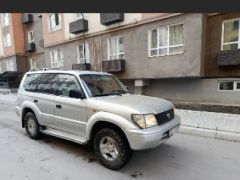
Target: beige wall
x,y
94,24
153,15
51,38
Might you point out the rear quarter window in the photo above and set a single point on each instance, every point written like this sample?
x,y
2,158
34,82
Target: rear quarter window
x,y
31,82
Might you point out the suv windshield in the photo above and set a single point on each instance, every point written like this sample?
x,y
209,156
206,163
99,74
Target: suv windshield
x,y
102,85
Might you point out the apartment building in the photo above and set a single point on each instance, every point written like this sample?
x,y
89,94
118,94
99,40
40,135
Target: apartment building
x,y
34,42
188,58
12,42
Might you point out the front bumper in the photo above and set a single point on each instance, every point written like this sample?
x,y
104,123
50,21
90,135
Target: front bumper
x,y
141,139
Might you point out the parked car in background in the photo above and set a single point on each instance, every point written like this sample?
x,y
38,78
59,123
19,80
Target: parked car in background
x,y
96,108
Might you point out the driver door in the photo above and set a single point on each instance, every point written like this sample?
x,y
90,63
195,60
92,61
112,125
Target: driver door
x,y
70,113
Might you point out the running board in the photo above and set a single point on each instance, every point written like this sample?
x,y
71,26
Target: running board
x,y
65,135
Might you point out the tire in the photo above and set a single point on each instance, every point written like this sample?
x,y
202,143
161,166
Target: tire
x,y
31,120
105,137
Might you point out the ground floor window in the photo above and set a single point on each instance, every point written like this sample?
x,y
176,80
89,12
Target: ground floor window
x,y
56,57
33,64
115,46
229,85
83,53
166,40
10,65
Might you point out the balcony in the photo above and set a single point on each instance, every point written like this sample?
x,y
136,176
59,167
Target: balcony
x,y
86,66
27,18
78,26
111,18
30,47
117,65
228,58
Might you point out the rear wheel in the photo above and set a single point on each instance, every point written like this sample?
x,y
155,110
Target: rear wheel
x,y
111,148
31,125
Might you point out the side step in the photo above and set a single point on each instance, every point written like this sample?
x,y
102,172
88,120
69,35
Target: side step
x,y
65,135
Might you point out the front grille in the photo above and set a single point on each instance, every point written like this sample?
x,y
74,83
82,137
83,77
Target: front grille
x,y
165,116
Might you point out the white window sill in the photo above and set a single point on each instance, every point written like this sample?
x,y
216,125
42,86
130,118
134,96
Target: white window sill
x,y
55,29
172,54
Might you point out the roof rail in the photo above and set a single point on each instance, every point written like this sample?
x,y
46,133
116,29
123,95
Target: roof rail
x,y
50,69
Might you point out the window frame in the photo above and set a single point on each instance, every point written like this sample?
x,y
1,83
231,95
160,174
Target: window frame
x,y
3,20
109,55
61,61
86,55
56,27
10,65
31,60
168,45
234,85
222,37
5,40
0,66
29,34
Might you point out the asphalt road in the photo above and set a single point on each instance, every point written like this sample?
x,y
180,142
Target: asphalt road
x,y
183,157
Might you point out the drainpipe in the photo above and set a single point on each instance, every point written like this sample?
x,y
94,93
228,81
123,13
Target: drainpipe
x,y
84,51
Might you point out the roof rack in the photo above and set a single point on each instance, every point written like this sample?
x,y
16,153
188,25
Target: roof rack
x,y
50,69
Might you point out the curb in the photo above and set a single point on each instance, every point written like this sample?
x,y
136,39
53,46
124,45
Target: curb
x,y
223,135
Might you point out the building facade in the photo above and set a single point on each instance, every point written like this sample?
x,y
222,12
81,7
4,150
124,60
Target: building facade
x,y
188,58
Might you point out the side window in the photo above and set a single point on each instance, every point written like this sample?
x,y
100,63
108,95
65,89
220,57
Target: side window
x,y
66,83
49,84
31,82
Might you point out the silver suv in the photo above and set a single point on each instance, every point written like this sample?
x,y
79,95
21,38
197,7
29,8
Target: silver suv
x,y
94,108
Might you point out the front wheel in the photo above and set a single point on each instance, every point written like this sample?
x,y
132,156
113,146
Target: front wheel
x,y
111,148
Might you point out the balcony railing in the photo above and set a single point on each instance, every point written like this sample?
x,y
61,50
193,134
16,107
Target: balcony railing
x,y
117,65
78,26
228,58
30,47
111,18
27,18
86,66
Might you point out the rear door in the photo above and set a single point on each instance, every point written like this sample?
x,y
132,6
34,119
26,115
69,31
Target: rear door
x,y
70,113
41,91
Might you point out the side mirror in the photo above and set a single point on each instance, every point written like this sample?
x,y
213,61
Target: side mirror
x,y
76,93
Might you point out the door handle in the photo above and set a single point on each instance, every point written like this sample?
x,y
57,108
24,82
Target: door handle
x,y
58,106
35,100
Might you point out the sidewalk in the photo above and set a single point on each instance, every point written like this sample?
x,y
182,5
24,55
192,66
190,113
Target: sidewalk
x,y
200,123
8,98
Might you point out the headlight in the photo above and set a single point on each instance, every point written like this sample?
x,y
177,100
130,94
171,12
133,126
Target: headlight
x,y
144,120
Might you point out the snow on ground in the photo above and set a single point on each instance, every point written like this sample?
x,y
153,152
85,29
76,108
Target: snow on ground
x,y
8,98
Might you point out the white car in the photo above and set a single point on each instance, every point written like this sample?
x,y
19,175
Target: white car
x,y
94,107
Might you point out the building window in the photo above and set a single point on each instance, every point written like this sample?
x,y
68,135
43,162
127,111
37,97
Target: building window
x,y
56,57
33,64
230,34
229,85
5,19
30,36
115,48
10,65
83,54
54,22
7,40
0,67
81,15
166,40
